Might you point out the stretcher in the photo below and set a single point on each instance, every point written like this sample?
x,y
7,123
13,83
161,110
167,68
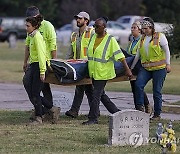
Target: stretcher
x,y
51,78
75,72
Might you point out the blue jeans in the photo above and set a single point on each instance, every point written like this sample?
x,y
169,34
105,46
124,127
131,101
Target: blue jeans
x,y
158,78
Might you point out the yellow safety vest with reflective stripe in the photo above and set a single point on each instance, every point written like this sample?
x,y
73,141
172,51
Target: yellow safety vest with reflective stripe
x,y
101,60
134,50
155,59
84,43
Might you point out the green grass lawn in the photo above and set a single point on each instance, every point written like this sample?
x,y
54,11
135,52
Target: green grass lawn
x,y
68,136
11,62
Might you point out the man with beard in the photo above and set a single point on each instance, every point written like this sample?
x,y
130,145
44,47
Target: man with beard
x,y
78,50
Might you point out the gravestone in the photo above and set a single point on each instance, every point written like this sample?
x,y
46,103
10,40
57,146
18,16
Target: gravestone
x,y
129,127
62,100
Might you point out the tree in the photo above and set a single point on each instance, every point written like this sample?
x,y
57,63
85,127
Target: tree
x,y
166,11
14,8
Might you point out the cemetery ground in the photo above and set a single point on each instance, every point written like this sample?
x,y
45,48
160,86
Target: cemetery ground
x,y
68,136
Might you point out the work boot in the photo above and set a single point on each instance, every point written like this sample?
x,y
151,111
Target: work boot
x,y
36,121
47,117
140,108
148,109
32,116
155,118
71,113
90,122
55,111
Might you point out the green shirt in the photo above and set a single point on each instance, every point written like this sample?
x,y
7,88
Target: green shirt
x,y
49,35
37,50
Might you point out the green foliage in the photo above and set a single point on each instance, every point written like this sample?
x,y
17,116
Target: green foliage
x,y
162,10
174,41
105,7
12,8
60,12
166,11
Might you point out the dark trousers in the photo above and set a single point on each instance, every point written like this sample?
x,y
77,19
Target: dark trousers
x,y
33,86
79,94
47,93
99,95
146,101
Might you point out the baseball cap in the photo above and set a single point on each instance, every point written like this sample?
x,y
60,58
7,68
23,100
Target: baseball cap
x,y
32,11
83,15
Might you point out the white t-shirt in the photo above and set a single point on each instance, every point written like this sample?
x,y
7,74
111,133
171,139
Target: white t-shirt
x,y
162,41
163,44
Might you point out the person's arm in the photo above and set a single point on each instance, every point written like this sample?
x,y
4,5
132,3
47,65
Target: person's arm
x,y
52,43
70,53
41,50
119,56
54,54
128,71
165,47
26,57
135,60
167,52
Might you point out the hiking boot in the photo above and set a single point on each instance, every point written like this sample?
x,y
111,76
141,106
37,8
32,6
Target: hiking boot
x,y
90,122
55,111
33,116
140,108
71,113
148,109
36,121
47,117
155,118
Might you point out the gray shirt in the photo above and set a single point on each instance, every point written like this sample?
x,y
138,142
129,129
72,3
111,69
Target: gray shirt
x,y
70,53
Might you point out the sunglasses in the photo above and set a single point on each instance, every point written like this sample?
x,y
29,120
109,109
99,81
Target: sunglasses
x,y
145,28
96,26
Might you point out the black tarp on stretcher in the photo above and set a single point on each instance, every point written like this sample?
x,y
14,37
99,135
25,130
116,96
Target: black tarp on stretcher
x,y
72,71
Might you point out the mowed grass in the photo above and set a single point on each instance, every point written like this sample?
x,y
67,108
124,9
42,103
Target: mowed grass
x,y
68,136
11,62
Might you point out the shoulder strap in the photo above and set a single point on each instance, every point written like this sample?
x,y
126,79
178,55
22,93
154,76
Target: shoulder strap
x,y
73,36
142,40
88,33
156,38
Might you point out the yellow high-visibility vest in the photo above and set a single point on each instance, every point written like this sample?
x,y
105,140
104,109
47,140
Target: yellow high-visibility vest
x,y
84,43
155,60
135,48
101,60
